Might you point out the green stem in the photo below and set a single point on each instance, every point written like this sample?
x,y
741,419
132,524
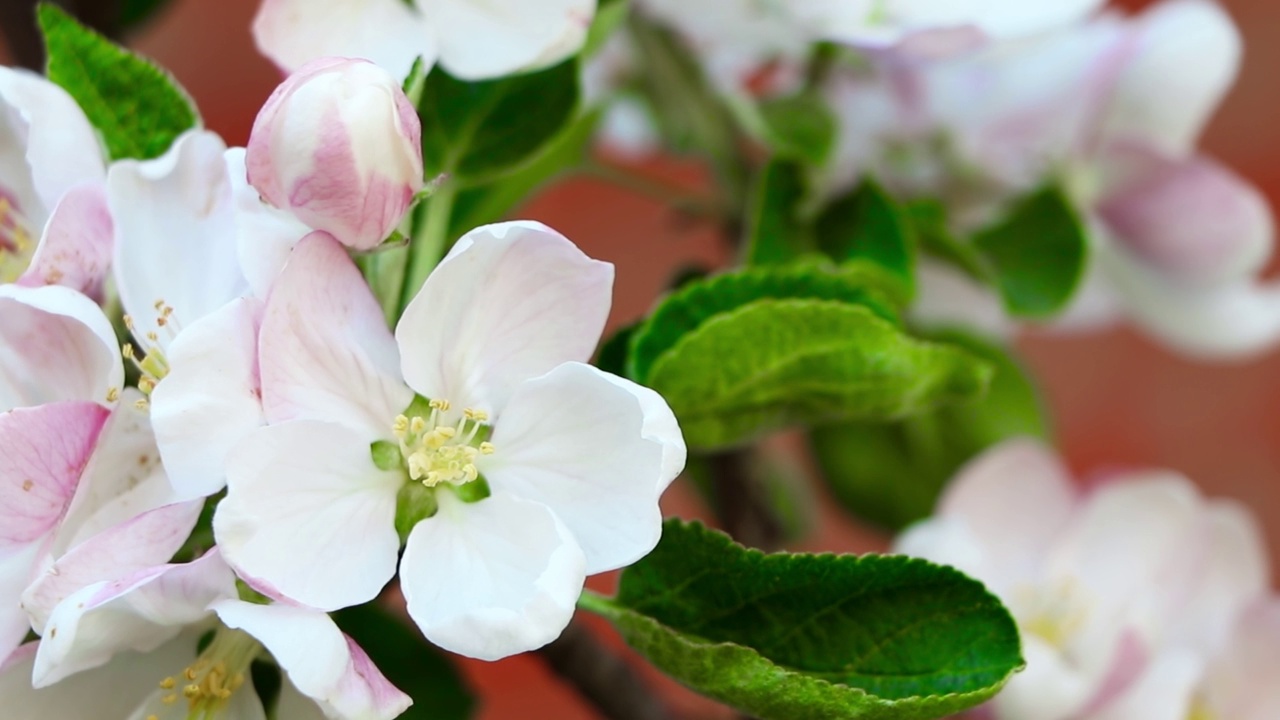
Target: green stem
x,y
599,604
430,241
680,198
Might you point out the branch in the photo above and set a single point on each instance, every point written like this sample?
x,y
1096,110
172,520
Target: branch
x,y
18,23
604,678
742,502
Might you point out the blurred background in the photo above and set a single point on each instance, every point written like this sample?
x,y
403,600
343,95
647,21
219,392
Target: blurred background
x,y
1118,400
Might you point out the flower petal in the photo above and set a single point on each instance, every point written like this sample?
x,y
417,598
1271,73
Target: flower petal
x,y
574,440
1240,684
211,398
75,246
660,425
388,32
503,37
510,302
16,571
309,514
266,235
1049,689
1163,692
320,661
493,578
326,353
55,345
175,236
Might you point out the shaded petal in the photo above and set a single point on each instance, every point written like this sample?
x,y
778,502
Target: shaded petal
x,y
175,235
309,514
1049,689
493,578
321,662
660,425
75,247
266,235
948,297
55,344
997,18
510,302
140,612
211,399
1163,692
16,571
574,441
502,37
1240,683
388,32
325,350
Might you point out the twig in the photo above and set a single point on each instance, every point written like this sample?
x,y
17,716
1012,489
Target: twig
x,y
742,502
602,677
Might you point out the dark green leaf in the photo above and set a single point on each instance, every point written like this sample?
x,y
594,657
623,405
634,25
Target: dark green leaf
x,y
412,664
800,637
138,108
697,302
777,234
868,224
1038,252
135,12
892,474
800,126
477,131
612,357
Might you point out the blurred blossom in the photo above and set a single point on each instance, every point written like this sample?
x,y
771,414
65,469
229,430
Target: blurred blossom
x,y
339,146
471,40
1126,595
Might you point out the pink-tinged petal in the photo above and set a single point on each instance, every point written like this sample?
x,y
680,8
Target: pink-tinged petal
x,y
1193,220
1240,682
493,578
75,247
211,399
175,236
320,661
140,612
1163,692
266,234
389,32
511,302
1049,689
149,540
43,451
574,441
1185,56
506,36
325,351
55,345
309,513
59,147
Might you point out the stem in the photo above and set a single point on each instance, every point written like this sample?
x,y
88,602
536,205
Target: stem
x,y
429,242
681,199
603,677
742,502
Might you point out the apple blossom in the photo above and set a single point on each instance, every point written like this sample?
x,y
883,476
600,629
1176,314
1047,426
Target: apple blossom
x,y
339,145
1122,594
54,224
475,434
1239,683
472,42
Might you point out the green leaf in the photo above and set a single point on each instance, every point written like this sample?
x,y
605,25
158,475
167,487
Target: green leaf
x,y
1038,252
812,637
412,664
772,363
697,302
610,14
477,131
777,233
800,126
869,224
929,223
892,474
136,12
138,108
612,357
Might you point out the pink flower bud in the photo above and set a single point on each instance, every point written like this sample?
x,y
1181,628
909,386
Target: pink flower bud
x,y
339,145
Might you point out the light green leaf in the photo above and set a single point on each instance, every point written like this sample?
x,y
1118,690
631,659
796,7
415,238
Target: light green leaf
x,y
477,131
697,302
412,664
869,224
773,363
813,637
892,474
610,14
800,126
138,108
1038,252
777,234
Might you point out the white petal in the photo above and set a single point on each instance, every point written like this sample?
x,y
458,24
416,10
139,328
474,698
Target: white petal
x,y
308,515
175,235
1240,683
502,37
660,425
55,344
948,297
16,571
320,661
1049,689
493,578
388,32
510,302
1163,692
211,398
325,350
266,235
574,440
998,18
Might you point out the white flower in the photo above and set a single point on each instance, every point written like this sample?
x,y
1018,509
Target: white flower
x,y
574,459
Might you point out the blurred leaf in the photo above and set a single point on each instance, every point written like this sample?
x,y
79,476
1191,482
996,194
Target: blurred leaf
x,y
777,234
612,357
1038,252
868,224
929,221
418,668
800,126
610,14
892,474
138,108
477,131
803,637
135,12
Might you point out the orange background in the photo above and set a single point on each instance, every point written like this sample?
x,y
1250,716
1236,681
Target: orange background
x,y
1118,400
